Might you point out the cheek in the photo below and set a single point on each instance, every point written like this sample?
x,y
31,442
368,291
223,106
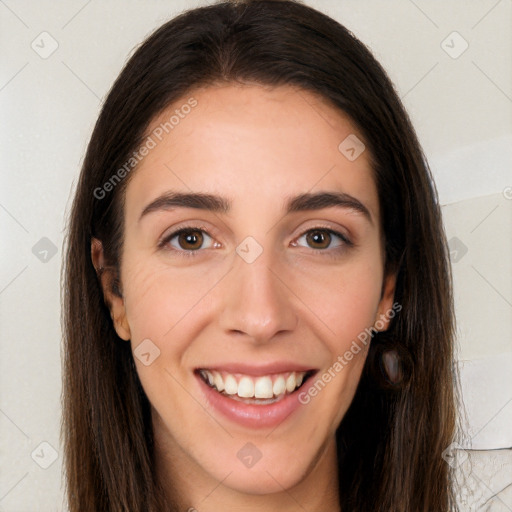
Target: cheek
x,y
346,301
347,305
344,298
164,305
157,298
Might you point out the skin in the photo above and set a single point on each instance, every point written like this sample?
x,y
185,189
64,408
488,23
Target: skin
x,y
256,146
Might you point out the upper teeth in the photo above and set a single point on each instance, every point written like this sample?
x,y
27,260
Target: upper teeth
x,y
245,386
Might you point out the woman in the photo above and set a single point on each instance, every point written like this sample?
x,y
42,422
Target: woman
x,y
258,306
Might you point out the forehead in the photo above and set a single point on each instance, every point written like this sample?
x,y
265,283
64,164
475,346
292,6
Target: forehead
x,y
253,144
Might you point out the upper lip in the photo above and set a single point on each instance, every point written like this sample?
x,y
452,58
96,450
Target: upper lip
x,y
258,369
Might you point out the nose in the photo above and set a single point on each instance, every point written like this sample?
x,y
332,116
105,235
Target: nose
x,y
256,300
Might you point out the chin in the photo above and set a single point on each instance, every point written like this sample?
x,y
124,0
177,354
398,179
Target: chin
x,y
267,479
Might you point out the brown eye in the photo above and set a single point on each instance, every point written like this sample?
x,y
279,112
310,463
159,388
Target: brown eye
x,y
187,241
190,240
319,239
324,241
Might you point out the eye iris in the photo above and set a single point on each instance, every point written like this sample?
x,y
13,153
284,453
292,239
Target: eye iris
x,y
192,238
319,237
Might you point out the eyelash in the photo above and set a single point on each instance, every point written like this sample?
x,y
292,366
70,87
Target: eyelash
x,y
163,244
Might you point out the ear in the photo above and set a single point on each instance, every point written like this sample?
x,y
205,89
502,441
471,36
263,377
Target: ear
x,y
113,298
386,311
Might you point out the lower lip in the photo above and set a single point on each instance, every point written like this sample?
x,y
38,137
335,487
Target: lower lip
x,y
253,416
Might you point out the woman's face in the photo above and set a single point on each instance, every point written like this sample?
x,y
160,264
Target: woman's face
x,y
267,286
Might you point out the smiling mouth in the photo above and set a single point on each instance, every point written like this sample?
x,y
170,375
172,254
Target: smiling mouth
x,y
261,390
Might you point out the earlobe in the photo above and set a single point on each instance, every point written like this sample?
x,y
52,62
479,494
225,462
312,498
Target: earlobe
x,y
112,298
120,321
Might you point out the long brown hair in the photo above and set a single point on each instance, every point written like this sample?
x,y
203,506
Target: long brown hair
x,y
391,440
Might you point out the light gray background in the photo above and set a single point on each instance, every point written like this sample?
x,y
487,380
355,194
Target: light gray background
x,y
460,103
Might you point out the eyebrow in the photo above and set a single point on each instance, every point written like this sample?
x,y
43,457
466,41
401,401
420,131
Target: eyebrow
x,y
302,202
